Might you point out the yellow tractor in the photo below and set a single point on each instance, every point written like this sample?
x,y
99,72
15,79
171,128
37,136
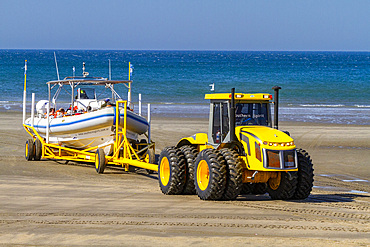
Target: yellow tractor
x,y
241,154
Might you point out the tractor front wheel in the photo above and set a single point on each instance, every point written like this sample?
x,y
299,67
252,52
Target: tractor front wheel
x,y
282,187
305,175
210,175
171,171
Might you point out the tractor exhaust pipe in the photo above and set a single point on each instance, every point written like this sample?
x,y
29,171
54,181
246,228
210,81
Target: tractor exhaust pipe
x,y
232,117
276,107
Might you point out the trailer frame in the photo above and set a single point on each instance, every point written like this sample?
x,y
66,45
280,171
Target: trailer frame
x,y
124,154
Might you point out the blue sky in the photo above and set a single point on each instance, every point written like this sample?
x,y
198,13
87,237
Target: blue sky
x,y
335,25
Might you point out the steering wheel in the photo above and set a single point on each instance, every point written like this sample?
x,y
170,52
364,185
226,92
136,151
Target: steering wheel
x,y
249,121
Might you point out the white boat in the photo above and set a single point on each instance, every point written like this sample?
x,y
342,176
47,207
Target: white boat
x,y
89,123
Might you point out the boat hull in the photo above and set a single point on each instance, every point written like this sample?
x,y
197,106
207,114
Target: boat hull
x,y
92,129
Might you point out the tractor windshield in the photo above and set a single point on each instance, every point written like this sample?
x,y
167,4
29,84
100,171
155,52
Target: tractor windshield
x,y
252,114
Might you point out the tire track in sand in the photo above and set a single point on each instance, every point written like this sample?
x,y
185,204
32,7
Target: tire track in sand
x,y
185,224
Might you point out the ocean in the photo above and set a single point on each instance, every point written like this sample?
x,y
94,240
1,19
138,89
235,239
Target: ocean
x,y
322,87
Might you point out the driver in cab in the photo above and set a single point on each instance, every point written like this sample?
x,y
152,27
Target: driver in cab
x,y
244,115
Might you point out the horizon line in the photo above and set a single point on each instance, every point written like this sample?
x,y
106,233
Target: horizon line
x,y
189,50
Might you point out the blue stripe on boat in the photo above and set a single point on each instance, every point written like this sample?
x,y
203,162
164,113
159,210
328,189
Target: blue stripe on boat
x,y
88,119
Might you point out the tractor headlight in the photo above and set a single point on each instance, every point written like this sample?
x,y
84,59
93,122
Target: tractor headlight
x,y
279,144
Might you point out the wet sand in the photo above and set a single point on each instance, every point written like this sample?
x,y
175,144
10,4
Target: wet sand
x,y
49,203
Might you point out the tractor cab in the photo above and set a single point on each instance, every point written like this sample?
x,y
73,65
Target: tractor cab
x,y
250,109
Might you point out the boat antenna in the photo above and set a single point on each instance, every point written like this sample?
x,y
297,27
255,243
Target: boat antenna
x,y
56,65
110,71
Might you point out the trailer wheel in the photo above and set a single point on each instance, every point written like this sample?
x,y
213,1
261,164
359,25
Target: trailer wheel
x,y
190,154
38,149
29,151
305,175
151,159
210,175
171,171
282,187
100,162
234,175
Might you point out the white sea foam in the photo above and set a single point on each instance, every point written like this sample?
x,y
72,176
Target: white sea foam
x,y
320,105
363,106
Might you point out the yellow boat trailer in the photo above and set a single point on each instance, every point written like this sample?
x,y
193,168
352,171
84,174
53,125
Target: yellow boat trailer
x,y
124,154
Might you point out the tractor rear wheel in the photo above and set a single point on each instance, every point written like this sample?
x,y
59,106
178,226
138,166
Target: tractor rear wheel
x,y
246,189
190,154
171,171
38,149
234,175
282,187
259,188
210,175
29,151
100,161
254,189
305,175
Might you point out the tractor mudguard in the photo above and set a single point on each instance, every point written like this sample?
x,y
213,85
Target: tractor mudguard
x,y
197,139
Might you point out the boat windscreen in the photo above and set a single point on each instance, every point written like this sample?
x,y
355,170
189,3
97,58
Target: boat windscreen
x,y
86,93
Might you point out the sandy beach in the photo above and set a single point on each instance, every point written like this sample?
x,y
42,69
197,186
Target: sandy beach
x,y
49,203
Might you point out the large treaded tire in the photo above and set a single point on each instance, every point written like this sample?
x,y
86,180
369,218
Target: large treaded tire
x,y
305,175
100,161
285,189
259,188
190,154
246,189
215,163
38,149
234,174
29,150
254,189
171,171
